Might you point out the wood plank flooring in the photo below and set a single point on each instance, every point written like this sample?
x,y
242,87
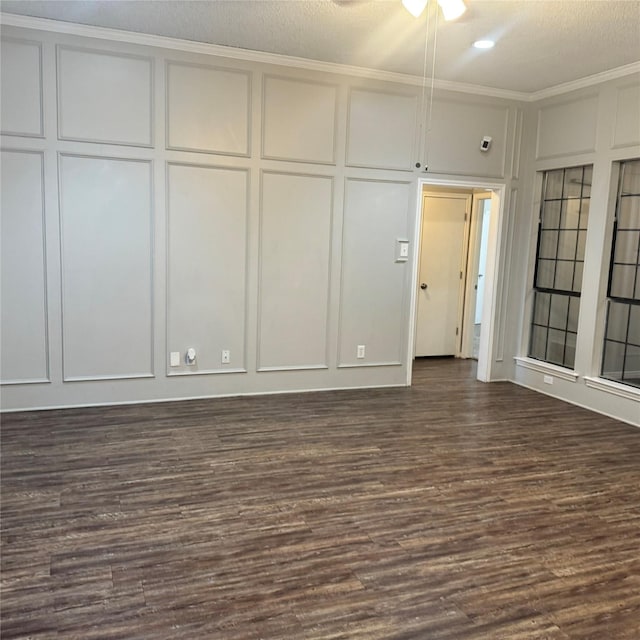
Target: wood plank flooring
x,y
451,510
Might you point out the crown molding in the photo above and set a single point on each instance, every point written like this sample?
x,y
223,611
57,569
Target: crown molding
x,y
189,46
582,83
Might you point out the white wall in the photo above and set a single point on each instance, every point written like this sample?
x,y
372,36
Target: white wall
x,y
598,125
164,198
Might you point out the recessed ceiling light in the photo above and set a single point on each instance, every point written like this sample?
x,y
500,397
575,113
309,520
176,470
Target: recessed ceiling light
x,y
483,44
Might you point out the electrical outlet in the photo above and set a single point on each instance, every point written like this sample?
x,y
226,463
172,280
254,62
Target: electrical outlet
x,y
548,379
174,359
226,356
360,352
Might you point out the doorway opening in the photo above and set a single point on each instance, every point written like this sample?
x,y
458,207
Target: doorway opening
x,y
454,290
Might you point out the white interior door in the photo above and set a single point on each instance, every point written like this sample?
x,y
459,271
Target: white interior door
x,y
441,281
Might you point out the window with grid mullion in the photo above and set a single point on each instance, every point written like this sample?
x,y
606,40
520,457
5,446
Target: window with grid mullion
x,y
559,265
621,348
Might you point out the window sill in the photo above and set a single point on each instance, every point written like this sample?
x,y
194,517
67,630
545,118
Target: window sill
x,y
615,388
547,368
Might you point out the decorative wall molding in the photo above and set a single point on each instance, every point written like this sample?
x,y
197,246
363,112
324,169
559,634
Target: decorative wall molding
x,y
45,301
60,50
150,373
632,93
259,355
246,152
40,132
558,115
168,297
517,145
414,141
267,78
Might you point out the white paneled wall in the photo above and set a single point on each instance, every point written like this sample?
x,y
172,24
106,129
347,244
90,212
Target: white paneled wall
x,y
106,231
295,229
569,127
299,120
597,126
156,200
373,294
103,97
207,238
23,288
208,109
21,72
626,132
382,129
454,123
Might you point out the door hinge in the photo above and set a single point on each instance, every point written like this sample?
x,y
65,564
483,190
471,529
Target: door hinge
x,y
465,217
461,275
456,330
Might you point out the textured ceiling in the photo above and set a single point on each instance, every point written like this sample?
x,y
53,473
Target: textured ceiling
x,y
540,43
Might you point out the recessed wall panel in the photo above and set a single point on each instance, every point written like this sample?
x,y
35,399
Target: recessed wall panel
x,y
295,241
382,129
453,141
299,120
567,128
627,123
104,97
106,231
372,294
208,109
23,287
207,265
21,95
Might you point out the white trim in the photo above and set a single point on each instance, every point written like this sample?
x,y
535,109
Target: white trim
x,y
118,35
485,361
41,133
547,368
614,388
204,372
390,363
129,37
25,381
293,367
205,397
587,81
576,404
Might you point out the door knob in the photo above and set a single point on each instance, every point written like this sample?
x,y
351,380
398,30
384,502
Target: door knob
x,y
423,286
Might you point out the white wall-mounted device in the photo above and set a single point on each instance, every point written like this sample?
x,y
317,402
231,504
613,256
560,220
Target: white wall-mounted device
x,y
402,250
190,357
485,144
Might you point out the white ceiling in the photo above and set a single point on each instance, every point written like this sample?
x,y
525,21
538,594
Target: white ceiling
x,y
540,43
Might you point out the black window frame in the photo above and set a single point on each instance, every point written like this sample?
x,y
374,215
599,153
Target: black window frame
x,y
548,296
631,303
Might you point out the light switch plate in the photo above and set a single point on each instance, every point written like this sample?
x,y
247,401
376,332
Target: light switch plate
x,y
174,359
402,250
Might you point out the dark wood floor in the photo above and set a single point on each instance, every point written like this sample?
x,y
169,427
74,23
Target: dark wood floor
x,y
452,510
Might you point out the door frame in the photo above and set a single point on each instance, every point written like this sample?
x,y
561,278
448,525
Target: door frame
x,y
472,271
492,298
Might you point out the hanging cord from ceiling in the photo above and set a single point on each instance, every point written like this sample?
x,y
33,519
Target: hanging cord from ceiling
x,y
427,137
